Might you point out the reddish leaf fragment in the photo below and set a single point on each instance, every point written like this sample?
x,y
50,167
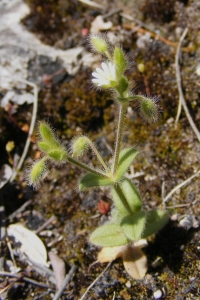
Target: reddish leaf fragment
x,y
103,207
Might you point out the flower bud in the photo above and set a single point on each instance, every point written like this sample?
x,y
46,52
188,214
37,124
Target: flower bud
x,y
99,44
10,146
79,146
37,172
120,61
46,131
149,109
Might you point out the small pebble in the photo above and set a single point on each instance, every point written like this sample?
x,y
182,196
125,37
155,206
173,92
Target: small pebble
x,y
128,284
198,70
157,294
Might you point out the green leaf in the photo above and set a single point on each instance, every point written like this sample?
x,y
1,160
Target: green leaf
x,y
57,154
126,158
120,61
46,131
120,201
122,85
109,235
134,225
44,146
156,219
116,216
126,197
91,180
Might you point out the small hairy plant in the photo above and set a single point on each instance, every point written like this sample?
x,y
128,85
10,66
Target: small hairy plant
x,y
129,222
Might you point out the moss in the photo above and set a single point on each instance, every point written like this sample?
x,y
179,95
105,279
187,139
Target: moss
x,y
58,23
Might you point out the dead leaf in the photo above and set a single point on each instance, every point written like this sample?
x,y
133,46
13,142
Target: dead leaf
x,y
108,254
135,261
98,24
5,174
28,243
58,266
91,3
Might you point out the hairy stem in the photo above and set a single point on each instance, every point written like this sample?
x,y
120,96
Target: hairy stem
x,y
120,127
84,166
94,149
136,97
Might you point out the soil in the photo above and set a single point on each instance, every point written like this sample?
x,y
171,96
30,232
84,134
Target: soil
x,y
169,154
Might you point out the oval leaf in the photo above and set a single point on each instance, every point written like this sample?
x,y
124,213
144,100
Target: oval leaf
x,y
57,154
156,219
108,254
120,200
92,180
126,197
29,243
44,146
135,262
133,225
109,235
126,158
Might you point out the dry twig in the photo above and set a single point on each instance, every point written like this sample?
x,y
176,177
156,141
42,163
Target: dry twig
x,y
19,210
93,283
179,186
65,282
32,125
20,277
182,101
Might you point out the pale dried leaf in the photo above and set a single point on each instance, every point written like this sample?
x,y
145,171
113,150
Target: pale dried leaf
x,y
28,243
135,261
141,243
58,266
16,98
98,24
91,3
108,254
5,174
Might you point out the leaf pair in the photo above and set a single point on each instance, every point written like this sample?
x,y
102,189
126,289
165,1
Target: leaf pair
x,y
131,228
50,144
135,262
91,180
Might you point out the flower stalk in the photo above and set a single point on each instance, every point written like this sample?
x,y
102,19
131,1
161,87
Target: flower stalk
x,y
119,135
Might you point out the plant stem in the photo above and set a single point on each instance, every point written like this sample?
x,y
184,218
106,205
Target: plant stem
x,y
94,149
120,127
108,55
136,97
85,167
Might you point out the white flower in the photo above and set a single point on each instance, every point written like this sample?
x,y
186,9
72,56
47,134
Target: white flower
x,y
105,76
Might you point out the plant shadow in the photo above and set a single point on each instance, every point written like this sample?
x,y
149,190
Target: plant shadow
x,y
168,244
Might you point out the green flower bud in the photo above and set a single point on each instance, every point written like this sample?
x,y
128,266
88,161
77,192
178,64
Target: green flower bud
x,y
99,44
10,146
149,109
141,67
119,61
79,146
38,172
46,132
